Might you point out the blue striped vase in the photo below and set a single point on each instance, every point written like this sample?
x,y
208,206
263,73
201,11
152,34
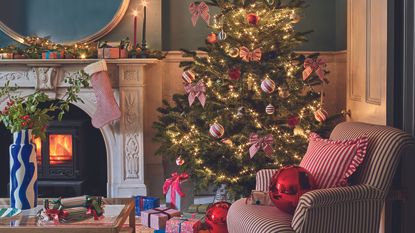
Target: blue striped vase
x,y
23,171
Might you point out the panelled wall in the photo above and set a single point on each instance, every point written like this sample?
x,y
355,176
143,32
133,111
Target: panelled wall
x,y
367,59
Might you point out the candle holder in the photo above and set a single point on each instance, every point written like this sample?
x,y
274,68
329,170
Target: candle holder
x,y
143,49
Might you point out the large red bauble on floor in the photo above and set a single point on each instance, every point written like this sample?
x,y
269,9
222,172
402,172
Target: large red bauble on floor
x,y
287,186
216,217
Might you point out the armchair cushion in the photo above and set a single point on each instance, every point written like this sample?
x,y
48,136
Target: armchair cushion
x,y
244,218
263,179
332,162
357,202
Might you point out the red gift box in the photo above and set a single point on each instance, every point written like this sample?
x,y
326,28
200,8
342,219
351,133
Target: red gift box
x,y
112,53
182,225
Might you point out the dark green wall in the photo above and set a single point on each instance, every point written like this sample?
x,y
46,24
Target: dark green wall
x,y
326,17
174,30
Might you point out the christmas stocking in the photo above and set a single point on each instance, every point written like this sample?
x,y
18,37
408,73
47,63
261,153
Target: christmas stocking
x,y
107,108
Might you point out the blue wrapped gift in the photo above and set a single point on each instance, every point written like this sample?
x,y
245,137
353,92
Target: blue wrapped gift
x,y
145,203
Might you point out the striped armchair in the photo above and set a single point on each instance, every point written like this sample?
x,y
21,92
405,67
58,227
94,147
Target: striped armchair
x,y
353,209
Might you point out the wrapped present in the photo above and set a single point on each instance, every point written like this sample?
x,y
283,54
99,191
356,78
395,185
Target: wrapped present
x,y
6,55
259,198
107,51
112,53
179,191
200,216
156,218
198,208
183,225
52,54
145,203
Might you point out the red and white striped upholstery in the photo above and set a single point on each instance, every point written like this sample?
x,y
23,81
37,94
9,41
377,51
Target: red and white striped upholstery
x,y
243,217
353,209
263,179
332,162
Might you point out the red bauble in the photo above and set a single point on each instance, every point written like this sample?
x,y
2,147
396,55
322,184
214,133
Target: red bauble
x,y
212,38
293,121
234,73
287,186
216,217
252,18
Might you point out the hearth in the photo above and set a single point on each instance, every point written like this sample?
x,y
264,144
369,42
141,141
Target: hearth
x,y
58,156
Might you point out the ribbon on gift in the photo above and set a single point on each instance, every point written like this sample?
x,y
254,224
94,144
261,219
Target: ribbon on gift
x,y
201,10
56,214
197,90
159,211
258,142
173,183
182,220
247,55
316,65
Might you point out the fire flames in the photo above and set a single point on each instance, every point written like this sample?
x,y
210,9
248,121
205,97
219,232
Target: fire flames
x,y
60,149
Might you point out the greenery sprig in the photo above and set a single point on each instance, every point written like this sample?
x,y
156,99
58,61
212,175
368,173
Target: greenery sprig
x,y
24,112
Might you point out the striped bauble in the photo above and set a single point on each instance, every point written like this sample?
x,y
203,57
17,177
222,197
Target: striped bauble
x,y
321,115
222,35
216,130
188,76
270,109
268,86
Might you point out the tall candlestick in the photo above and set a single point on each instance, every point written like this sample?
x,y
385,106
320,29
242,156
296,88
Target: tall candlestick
x,y
143,42
135,29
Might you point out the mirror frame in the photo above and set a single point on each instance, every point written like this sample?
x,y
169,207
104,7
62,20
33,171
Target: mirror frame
x,y
122,9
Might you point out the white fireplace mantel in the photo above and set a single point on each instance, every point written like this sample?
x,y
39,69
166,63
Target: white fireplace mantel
x,y
124,138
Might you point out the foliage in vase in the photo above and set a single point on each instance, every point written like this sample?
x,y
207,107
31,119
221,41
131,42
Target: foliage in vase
x,y
259,105
24,112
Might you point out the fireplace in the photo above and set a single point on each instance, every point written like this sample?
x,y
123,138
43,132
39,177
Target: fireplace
x,y
59,156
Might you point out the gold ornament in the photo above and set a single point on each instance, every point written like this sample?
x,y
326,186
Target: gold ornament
x,y
283,92
233,52
295,18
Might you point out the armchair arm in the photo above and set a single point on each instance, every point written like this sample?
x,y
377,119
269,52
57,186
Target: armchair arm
x,y
263,179
341,210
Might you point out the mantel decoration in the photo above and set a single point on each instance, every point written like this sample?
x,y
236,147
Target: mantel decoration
x,y
26,119
42,48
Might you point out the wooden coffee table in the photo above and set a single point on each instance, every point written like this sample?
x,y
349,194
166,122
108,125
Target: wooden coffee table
x,y
119,217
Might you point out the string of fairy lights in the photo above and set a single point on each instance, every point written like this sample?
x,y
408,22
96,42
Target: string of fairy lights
x,y
271,19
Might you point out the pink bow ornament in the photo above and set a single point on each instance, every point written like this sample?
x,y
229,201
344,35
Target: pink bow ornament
x,y
316,65
201,10
246,55
197,90
258,143
172,187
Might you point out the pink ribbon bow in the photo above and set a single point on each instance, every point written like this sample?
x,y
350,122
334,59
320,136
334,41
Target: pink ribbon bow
x,y
247,55
196,90
174,184
316,65
201,10
258,142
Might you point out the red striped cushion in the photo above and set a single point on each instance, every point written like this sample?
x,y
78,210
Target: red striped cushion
x,y
332,162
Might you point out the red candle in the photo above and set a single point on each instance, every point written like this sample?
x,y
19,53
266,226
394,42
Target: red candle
x,y
135,13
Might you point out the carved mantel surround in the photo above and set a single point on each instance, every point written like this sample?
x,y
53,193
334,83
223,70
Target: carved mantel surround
x,y
124,139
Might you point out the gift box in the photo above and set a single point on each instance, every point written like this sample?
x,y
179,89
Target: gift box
x,y
6,55
198,208
179,191
145,203
156,218
183,225
53,54
199,216
259,198
112,53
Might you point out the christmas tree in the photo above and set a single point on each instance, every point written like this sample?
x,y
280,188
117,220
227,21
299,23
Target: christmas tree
x,y
250,102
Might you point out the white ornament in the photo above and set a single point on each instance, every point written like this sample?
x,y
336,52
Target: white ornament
x,y
270,109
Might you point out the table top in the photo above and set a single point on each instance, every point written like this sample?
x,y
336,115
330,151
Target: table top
x,y
116,213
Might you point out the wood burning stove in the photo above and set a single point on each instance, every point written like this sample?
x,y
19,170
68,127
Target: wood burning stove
x,y
60,157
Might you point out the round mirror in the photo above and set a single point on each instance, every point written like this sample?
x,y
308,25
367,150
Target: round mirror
x,y
61,21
